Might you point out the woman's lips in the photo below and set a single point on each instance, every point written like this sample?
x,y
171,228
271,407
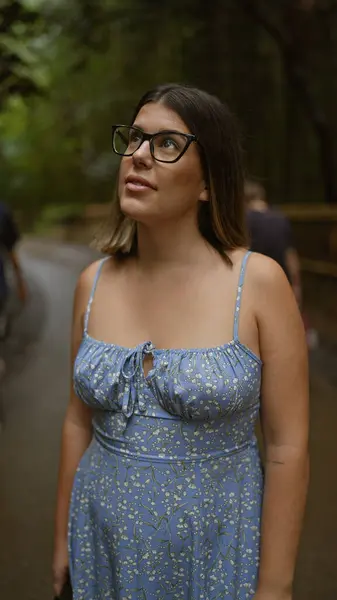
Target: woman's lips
x,y
138,184
137,187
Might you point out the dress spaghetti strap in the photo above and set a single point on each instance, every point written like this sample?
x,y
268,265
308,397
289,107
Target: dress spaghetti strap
x,y
92,293
239,294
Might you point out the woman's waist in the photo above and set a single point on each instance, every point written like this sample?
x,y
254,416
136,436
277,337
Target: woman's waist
x,y
174,440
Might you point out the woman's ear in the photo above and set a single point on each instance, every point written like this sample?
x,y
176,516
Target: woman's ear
x,y
204,196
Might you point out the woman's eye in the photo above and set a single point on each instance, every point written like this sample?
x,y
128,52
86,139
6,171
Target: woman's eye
x,y
169,143
134,137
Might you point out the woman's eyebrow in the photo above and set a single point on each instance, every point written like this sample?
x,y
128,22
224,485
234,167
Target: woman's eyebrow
x,y
161,130
137,127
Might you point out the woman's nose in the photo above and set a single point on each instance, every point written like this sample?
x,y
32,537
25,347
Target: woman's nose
x,y
143,154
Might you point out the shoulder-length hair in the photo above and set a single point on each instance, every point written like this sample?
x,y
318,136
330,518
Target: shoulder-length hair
x,y
222,219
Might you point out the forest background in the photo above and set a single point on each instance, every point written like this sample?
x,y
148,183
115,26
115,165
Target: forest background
x,y
71,68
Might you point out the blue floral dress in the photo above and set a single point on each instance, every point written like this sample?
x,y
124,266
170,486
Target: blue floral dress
x,y
166,501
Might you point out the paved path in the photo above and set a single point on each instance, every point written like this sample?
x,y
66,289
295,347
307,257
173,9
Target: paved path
x,y
34,397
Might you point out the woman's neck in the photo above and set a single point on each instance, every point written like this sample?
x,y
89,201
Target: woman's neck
x,y
167,246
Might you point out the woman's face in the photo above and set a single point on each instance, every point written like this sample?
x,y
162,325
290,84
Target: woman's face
x,y
151,191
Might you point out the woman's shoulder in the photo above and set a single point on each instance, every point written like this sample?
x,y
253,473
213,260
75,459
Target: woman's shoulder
x,y
260,270
265,272
269,287
88,276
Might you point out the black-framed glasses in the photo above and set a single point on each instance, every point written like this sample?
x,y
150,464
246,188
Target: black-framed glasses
x,y
165,146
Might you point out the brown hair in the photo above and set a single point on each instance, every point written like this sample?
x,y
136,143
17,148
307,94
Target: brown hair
x,y
222,219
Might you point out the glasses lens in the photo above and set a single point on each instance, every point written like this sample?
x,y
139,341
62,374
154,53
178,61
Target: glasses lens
x,y
126,140
167,147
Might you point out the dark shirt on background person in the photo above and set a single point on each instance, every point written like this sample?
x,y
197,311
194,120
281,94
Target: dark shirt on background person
x,y
9,237
270,234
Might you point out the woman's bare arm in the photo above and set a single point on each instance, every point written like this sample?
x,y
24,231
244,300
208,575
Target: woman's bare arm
x,y
285,425
76,437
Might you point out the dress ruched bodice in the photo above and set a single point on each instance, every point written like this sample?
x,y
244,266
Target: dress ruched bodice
x,y
214,391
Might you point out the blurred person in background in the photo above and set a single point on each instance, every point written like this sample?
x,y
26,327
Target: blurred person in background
x,y
180,338
9,237
270,234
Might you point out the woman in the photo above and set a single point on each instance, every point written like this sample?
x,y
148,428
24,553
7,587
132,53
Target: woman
x,y
172,333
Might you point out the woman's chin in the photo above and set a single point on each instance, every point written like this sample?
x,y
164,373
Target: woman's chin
x,y
137,209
